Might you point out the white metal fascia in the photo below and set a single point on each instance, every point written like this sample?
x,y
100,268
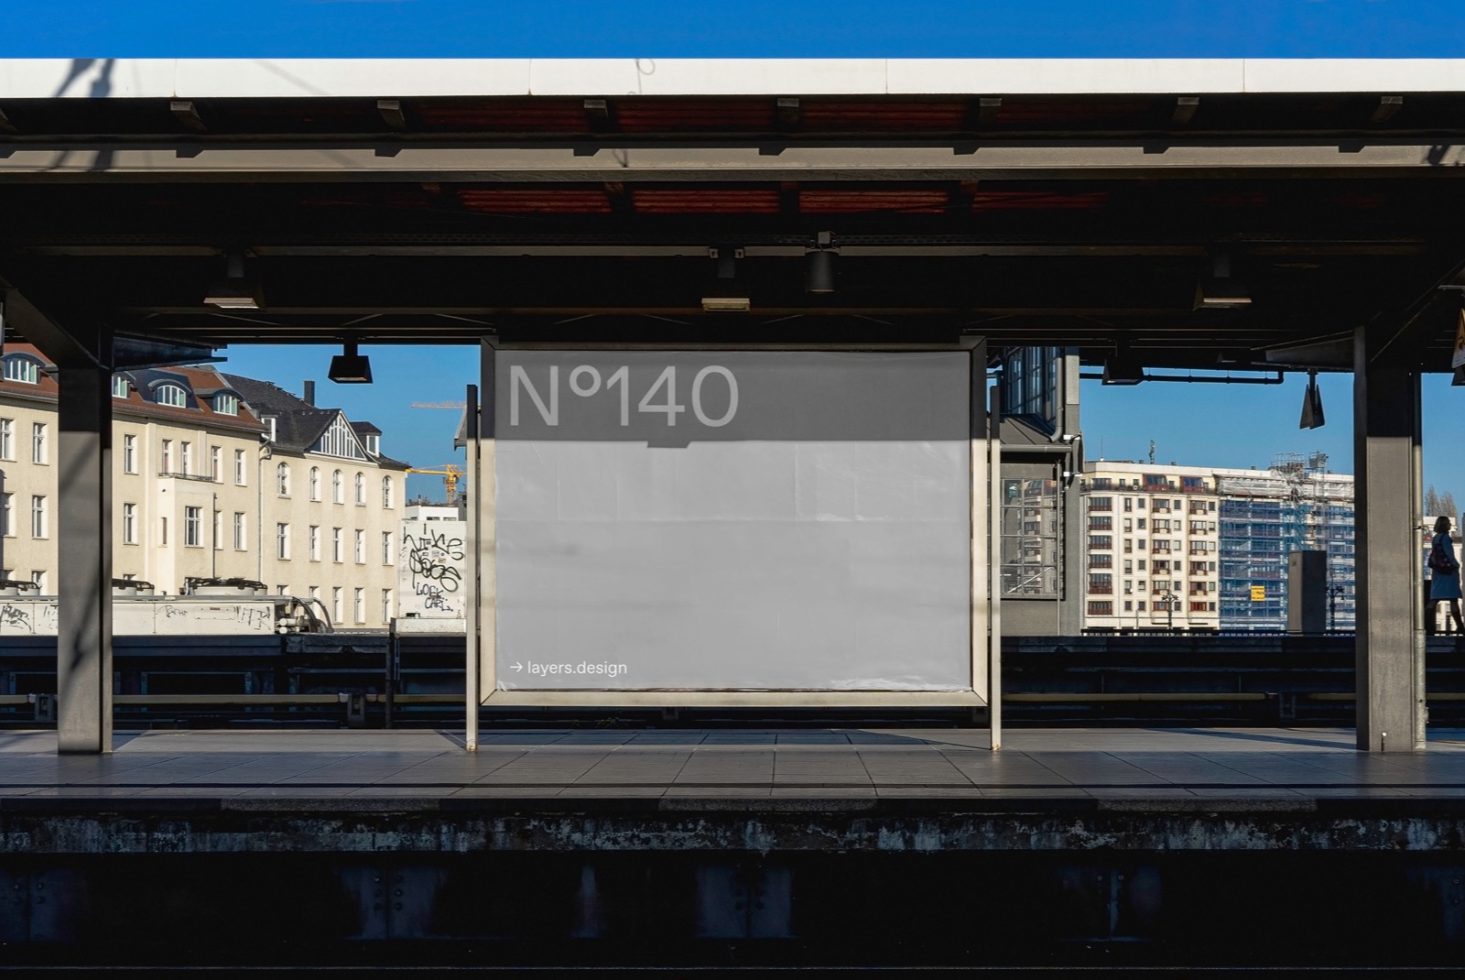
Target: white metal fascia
x,y
42,78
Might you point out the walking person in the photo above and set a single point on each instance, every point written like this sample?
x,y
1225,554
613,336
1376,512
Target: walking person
x,y
1444,579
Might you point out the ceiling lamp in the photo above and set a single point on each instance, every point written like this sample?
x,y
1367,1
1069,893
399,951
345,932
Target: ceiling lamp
x,y
1217,290
350,367
1123,369
819,265
235,291
1312,405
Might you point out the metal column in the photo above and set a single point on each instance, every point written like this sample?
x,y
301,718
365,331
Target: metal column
x,y
1389,649
84,529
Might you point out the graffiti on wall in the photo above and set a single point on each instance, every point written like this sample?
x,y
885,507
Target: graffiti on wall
x,y
432,568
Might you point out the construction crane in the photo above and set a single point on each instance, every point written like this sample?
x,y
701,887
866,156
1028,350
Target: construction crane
x,y
451,475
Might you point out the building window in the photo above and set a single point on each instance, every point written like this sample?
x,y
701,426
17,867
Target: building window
x,y
38,517
241,474
216,464
23,368
192,527
315,483
269,424
163,531
185,456
282,479
1101,608
339,440
7,439
386,547
7,515
338,547
226,404
337,611
314,539
360,490
39,580
1101,583
241,533
361,547
166,457
360,605
129,523
282,541
337,489
1031,546
218,530
119,386
39,453
386,605
386,491
171,395
374,444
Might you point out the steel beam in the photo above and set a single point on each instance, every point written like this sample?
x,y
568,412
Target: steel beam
x,y
1389,644
354,159
84,525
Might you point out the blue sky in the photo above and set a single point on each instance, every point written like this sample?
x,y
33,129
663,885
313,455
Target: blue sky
x,y
1201,424
748,28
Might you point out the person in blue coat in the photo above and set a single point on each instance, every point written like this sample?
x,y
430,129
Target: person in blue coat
x,y
1444,578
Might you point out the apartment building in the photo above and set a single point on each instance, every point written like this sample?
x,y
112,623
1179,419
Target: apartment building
x,y
196,458
330,505
1152,555
1210,550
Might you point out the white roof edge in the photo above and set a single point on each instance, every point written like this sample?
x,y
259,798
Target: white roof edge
x,y
408,78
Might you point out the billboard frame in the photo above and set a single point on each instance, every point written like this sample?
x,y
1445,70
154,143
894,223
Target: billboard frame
x,y
984,547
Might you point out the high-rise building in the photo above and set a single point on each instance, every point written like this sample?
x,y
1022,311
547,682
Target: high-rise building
x,y
1192,547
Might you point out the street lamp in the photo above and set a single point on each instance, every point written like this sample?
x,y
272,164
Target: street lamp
x,y
1335,592
1169,599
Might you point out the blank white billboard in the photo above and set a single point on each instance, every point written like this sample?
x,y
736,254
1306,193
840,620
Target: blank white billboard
x,y
721,521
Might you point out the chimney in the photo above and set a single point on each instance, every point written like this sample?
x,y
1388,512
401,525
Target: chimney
x,y
310,392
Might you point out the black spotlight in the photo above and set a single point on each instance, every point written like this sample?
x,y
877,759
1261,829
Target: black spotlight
x,y
1312,405
819,270
349,367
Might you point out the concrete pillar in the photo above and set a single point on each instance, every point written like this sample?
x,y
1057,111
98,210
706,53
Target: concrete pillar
x,y
84,580
1389,650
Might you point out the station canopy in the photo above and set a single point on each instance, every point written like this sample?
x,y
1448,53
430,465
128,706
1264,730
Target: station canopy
x,y
1191,214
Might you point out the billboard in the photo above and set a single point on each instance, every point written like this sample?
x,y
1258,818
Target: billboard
x,y
733,521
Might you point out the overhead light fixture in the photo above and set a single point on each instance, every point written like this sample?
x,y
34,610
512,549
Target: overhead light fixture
x,y
1312,405
819,265
726,257
1123,369
726,304
350,367
235,291
1217,290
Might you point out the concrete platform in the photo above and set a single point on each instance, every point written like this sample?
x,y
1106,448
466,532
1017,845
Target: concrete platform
x,y
720,848
1105,764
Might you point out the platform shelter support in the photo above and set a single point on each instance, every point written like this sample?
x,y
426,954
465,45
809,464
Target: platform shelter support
x,y
83,354
1389,647
482,618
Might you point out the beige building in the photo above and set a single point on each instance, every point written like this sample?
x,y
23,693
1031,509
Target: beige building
x,y
214,476
1152,546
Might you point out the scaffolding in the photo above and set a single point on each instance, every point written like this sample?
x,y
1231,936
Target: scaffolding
x,y
1265,515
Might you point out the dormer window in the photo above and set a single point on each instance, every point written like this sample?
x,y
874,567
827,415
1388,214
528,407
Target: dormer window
x,y
23,368
171,395
226,404
374,445
119,386
269,421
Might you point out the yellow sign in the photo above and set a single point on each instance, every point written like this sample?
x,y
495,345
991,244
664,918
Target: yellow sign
x,y
1258,593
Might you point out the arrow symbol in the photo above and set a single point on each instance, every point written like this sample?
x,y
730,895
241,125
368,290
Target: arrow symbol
x,y
516,666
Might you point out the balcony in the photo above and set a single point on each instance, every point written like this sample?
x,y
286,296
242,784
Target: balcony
x,y
1101,590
